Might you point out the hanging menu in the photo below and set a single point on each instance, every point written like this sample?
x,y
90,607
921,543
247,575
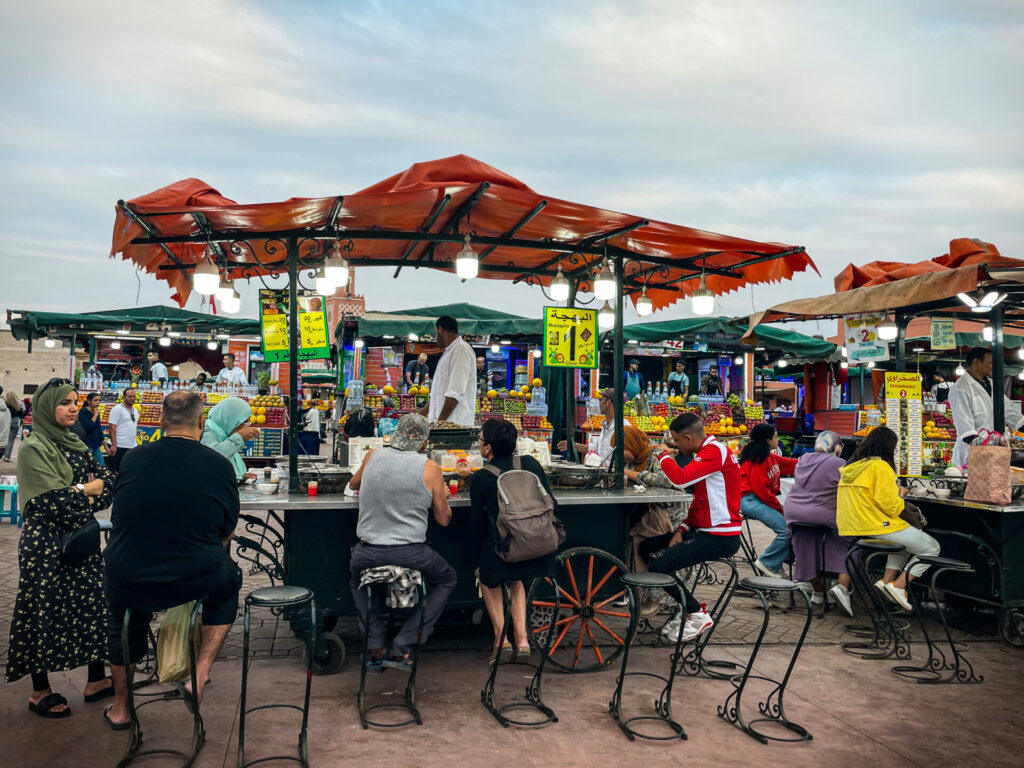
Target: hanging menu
x,y
313,340
903,416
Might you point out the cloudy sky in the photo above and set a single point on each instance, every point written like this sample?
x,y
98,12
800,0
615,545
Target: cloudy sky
x,y
868,130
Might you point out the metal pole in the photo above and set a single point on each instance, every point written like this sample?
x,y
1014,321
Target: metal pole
x,y
901,342
92,349
998,400
293,365
619,463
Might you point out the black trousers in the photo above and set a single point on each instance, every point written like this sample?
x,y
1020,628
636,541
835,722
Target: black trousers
x,y
114,462
693,549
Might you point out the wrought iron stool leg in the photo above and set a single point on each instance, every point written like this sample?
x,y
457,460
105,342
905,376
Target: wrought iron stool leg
x,y
694,662
963,671
615,705
245,684
731,711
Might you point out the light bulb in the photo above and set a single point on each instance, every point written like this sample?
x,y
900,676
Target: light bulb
x,y
335,267
604,283
1021,375
115,344
738,360
559,285
224,289
887,330
495,348
843,352
781,364
165,341
703,300
987,333
50,343
212,345
358,343
324,285
124,331
232,304
844,365
644,305
960,370
414,337
871,363
505,341
467,264
1020,353
606,317
536,353
205,278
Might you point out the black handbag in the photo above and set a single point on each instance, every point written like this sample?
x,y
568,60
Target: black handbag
x,y
80,544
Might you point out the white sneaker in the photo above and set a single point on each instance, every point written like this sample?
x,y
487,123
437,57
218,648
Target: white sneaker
x,y
673,626
842,596
764,570
697,624
898,596
806,586
880,586
817,598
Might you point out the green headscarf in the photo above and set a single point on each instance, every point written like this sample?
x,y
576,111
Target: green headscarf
x,y
41,467
225,417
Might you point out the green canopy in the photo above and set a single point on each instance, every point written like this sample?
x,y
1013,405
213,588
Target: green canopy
x,y
730,331
460,311
963,339
34,325
675,329
376,325
792,343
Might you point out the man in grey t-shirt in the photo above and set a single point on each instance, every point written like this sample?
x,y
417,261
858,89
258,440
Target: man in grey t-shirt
x,y
398,488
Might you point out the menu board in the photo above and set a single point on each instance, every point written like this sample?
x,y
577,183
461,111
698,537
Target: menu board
x,y
943,336
312,316
903,416
860,337
570,337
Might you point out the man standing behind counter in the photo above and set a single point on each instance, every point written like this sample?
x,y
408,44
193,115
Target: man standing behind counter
x,y
453,395
971,401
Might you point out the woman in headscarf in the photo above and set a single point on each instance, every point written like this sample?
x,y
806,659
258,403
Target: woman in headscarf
x,y
59,612
227,428
648,520
389,417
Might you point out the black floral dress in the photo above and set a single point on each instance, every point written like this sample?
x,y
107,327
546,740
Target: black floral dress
x,y
59,613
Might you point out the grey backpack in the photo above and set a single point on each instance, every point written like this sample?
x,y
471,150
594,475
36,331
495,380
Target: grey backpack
x,y
527,526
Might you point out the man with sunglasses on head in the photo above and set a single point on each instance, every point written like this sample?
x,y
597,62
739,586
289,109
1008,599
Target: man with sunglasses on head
x,y
124,427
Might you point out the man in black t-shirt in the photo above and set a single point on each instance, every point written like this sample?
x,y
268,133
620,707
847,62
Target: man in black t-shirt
x,y
417,371
175,508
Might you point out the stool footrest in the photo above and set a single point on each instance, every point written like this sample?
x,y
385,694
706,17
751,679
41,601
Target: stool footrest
x,y
679,733
415,715
273,706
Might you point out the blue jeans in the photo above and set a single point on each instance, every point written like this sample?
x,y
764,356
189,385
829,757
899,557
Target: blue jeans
x,y
755,509
98,453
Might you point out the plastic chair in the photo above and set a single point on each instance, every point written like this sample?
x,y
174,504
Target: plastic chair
x,y
11,510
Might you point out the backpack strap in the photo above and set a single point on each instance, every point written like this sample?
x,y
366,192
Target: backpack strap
x,y
517,462
493,470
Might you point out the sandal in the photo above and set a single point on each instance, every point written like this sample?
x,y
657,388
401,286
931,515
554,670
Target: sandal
x,y
403,663
523,652
103,693
505,654
114,726
188,698
47,703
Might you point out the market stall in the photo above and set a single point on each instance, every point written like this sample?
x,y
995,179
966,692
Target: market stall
x,y
456,215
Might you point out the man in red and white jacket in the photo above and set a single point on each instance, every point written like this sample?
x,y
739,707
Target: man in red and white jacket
x,y
712,526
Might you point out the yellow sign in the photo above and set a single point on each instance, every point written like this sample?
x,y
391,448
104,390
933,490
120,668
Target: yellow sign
x,y
312,330
906,386
312,320
570,337
275,332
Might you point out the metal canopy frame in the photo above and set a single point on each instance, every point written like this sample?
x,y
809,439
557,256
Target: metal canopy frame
x,y
294,250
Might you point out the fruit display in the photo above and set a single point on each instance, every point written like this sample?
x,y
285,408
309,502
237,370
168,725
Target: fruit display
x,y
654,424
716,411
934,432
535,422
151,413
388,390
419,391
150,396
660,409
215,397
753,412
725,426
594,423
863,432
267,401
484,405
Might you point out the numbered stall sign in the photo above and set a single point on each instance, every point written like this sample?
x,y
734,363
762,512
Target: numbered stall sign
x,y
570,337
860,337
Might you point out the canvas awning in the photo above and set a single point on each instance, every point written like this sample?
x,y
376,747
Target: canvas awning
x,y
733,331
376,324
418,218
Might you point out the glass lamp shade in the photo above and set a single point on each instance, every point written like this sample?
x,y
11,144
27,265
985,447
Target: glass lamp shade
x,y
224,290
51,343
960,370
165,341
703,300
358,343
115,344
536,353
232,305
212,345
644,305
205,278
887,331
414,337
738,360
604,284
559,286
987,333
781,364
467,265
606,317
871,363
324,285
336,270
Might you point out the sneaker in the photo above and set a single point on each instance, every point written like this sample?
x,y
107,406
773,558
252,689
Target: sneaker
x,y
817,598
898,596
764,570
880,586
697,624
806,586
673,626
842,596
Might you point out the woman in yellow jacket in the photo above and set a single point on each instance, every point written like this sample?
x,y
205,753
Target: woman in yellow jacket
x,y
869,505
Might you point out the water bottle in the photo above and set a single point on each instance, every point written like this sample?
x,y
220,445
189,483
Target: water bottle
x,y
355,394
648,391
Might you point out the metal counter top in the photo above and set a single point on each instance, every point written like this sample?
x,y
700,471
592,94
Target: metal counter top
x,y
1016,508
251,501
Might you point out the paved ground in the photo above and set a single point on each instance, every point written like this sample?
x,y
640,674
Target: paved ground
x,y
857,710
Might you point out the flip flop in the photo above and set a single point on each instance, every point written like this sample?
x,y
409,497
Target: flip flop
x,y
398,662
114,726
188,698
47,703
104,693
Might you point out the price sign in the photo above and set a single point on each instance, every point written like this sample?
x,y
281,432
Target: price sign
x,y
570,337
943,335
313,339
861,338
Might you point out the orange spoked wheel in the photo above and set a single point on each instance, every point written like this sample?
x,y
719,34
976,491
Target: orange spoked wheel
x,y
589,631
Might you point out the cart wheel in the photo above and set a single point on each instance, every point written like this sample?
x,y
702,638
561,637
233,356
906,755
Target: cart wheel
x,y
590,629
1011,627
331,659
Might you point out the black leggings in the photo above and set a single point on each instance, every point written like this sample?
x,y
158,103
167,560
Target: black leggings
x,y
97,672
694,548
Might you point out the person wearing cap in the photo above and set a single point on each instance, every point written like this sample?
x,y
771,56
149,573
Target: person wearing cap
x,y
605,440
633,380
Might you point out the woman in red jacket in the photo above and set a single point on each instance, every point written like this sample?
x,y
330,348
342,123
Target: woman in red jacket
x,y
762,471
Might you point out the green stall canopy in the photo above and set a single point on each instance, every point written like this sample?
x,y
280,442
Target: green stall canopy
x,y
377,325
460,311
731,331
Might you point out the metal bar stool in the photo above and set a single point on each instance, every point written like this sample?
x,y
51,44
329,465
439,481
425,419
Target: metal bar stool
x,y
378,591
534,695
936,665
824,531
663,704
772,707
135,727
277,598
886,637
694,662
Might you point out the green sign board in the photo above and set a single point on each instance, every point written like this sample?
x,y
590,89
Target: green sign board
x,y
313,340
570,337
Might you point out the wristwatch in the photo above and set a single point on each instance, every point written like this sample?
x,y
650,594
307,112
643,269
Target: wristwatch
x,y
80,487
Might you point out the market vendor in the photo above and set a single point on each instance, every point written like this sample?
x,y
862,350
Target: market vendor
x,y
633,380
157,370
417,371
605,439
229,374
678,383
711,383
453,394
971,401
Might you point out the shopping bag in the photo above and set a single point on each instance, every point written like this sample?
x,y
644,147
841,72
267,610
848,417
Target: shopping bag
x,y
172,644
988,470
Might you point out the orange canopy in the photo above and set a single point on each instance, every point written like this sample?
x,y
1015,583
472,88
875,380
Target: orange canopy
x,y
418,218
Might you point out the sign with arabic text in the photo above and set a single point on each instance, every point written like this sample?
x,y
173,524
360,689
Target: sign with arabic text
x,y
570,337
860,337
943,335
312,317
